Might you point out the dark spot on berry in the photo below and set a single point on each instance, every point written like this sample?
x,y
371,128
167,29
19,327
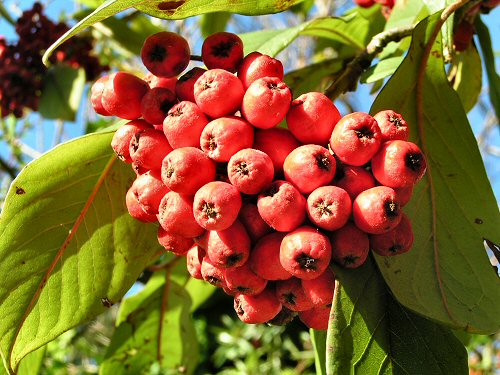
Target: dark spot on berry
x,y
296,103
391,209
289,298
170,172
394,249
223,49
306,262
176,113
20,190
243,289
272,86
364,132
396,121
242,168
324,208
233,259
239,309
323,162
158,53
214,280
350,259
414,161
209,210
212,143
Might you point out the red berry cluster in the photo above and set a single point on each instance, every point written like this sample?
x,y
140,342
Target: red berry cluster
x,y
258,210
387,5
21,67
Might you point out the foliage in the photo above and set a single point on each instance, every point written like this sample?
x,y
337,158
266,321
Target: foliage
x,y
65,230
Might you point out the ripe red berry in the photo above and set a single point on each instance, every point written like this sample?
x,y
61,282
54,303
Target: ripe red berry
x,y
147,150
122,137
122,95
184,124
164,82
222,50
397,241
212,273
392,125
329,207
266,102
187,169
135,210
184,88
398,164
229,247
277,143
305,252
308,167
250,170
176,215
356,138
256,65
225,136
404,194
155,105
165,54
377,210
353,179
312,117
218,93
282,206
258,308
350,246
265,258
243,280
96,96
321,289
174,243
216,205
256,226
316,318
291,295
149,190
194,257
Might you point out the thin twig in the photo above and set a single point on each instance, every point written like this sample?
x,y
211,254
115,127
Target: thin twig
x,y
348,80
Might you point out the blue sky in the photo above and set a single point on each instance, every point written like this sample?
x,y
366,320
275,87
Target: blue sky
x,y
363,98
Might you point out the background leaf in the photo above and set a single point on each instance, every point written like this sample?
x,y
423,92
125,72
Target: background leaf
x,y
447,276
373,334
154,326
62,93
467,76
67,233
212,23
318,339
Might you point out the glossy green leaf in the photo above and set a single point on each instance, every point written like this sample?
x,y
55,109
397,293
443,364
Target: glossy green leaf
x,y
383,69
318,339
66,232
489,63
154,328
62,93
176,9
212,23
32,364
373,334
315,77
447,275
467,75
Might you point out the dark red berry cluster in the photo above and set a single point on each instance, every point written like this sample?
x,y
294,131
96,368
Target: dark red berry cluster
x,y
21,68
258,210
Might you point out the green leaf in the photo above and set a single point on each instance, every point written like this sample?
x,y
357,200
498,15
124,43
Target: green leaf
x,y
62,93
489,63
315,77
373,334
318,339
32,364
447,275
212,23
154,327
66,232
176,9
383,69
466,72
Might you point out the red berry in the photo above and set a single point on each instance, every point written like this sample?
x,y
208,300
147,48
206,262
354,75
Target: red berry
x,y
377,210
229,247
282,206
194,257
352,179
96,96
155,105
396,241
258,308
321,289
122,137
184,88
392,125
316,318
211,273
149,190
250,170
329,207
218,93
222,50
266,102
135,210
164,82
216,205
265,258
292,296
256,65
122,95
165,54
305,252
356,138
256,226
243,280
147,150
350,246
173,242
312,117
176,215
184,124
